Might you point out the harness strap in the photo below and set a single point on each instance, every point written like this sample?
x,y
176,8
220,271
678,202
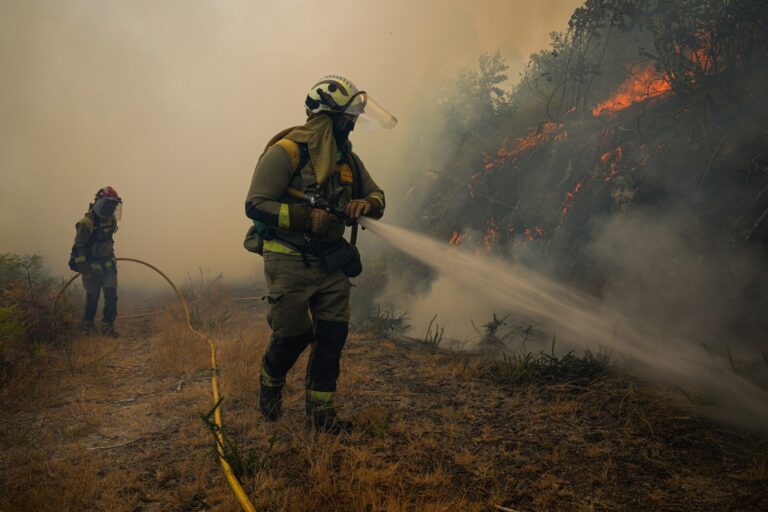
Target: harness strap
x,y
357,193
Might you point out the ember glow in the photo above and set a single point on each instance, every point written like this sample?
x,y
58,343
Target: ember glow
x,y
530,234
642,84
491,235
455,238
611,159
568,202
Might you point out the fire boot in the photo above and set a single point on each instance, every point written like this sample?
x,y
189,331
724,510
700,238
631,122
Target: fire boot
x,y
321,414
108,329
88,327
270,396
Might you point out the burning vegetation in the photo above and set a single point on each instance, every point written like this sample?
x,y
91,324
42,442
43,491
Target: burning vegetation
x,y
643,83
640,108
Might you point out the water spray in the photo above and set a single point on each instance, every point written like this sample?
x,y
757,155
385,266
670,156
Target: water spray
x,y
583,319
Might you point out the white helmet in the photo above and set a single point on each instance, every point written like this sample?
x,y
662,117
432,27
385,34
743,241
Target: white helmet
x,y
334,93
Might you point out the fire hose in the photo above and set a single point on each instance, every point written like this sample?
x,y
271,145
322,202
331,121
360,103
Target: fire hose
x,y
237,489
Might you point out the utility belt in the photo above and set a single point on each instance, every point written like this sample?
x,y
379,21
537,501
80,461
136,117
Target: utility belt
x,y
333,256
97,265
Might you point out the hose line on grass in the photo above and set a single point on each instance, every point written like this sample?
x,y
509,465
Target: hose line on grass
x,y
237,489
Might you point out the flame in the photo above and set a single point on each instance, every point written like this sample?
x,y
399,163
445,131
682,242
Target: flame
x,y
491,235
530,234
455,238
473,180
612,159
642,84
522,144
568,202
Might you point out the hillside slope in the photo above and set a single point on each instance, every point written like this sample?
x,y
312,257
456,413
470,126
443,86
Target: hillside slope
x,y
435,431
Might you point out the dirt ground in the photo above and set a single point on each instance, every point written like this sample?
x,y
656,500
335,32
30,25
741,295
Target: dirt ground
x,y
115,425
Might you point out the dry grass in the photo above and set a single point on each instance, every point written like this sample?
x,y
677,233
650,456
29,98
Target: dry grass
x,y
177,351
119,431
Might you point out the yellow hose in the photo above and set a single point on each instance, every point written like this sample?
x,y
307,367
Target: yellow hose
x,y
242,498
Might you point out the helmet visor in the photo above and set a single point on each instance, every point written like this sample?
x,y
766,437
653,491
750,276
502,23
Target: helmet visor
x,y
107,208
371,115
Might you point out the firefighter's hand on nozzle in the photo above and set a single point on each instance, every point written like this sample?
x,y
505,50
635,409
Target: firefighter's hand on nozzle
x,y
358,207
320,221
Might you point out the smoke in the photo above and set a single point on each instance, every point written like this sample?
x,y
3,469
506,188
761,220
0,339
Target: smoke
x,y
713,295
172,102
578,320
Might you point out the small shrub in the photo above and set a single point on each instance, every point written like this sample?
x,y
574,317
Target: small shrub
x,y
209,306
529,367
384,323
434,338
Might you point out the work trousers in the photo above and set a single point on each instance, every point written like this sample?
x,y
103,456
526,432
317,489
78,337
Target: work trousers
x,y
306,306
93,283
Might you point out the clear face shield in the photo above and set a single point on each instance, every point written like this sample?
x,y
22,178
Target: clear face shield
x,y
108,208
371,116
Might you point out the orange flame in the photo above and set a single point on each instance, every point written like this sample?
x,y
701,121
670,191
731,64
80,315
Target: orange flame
x,y
568,202
612,159
522,144
455,238
642,84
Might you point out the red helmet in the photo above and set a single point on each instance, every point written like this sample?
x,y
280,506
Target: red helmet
x,y
108,203
108,193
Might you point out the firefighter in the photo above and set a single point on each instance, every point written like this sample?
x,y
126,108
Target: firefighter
x,y
93,255
307,262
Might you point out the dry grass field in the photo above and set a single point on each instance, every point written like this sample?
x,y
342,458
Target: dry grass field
x,y
115,425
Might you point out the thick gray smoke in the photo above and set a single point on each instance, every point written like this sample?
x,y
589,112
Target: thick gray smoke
x,y
714,296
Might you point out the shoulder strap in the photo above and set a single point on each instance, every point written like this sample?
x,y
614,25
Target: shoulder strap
x,y
292,148
87,221
357,186
297,153
357,192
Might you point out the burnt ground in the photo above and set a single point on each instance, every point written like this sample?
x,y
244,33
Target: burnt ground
x,y
114,425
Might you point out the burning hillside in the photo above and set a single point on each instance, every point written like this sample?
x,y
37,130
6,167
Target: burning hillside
x,y
673,143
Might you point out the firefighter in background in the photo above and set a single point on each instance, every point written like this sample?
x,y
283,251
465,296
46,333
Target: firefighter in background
x,y
307,262
93,255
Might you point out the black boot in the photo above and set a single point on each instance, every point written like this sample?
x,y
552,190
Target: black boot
x,y
271,402
321,416
270,395
88,327
327,422
108,329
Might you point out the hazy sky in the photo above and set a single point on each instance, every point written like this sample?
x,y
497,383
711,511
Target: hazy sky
x,y
171,102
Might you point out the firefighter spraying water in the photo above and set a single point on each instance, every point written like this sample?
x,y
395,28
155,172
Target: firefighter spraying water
x,y
307,187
